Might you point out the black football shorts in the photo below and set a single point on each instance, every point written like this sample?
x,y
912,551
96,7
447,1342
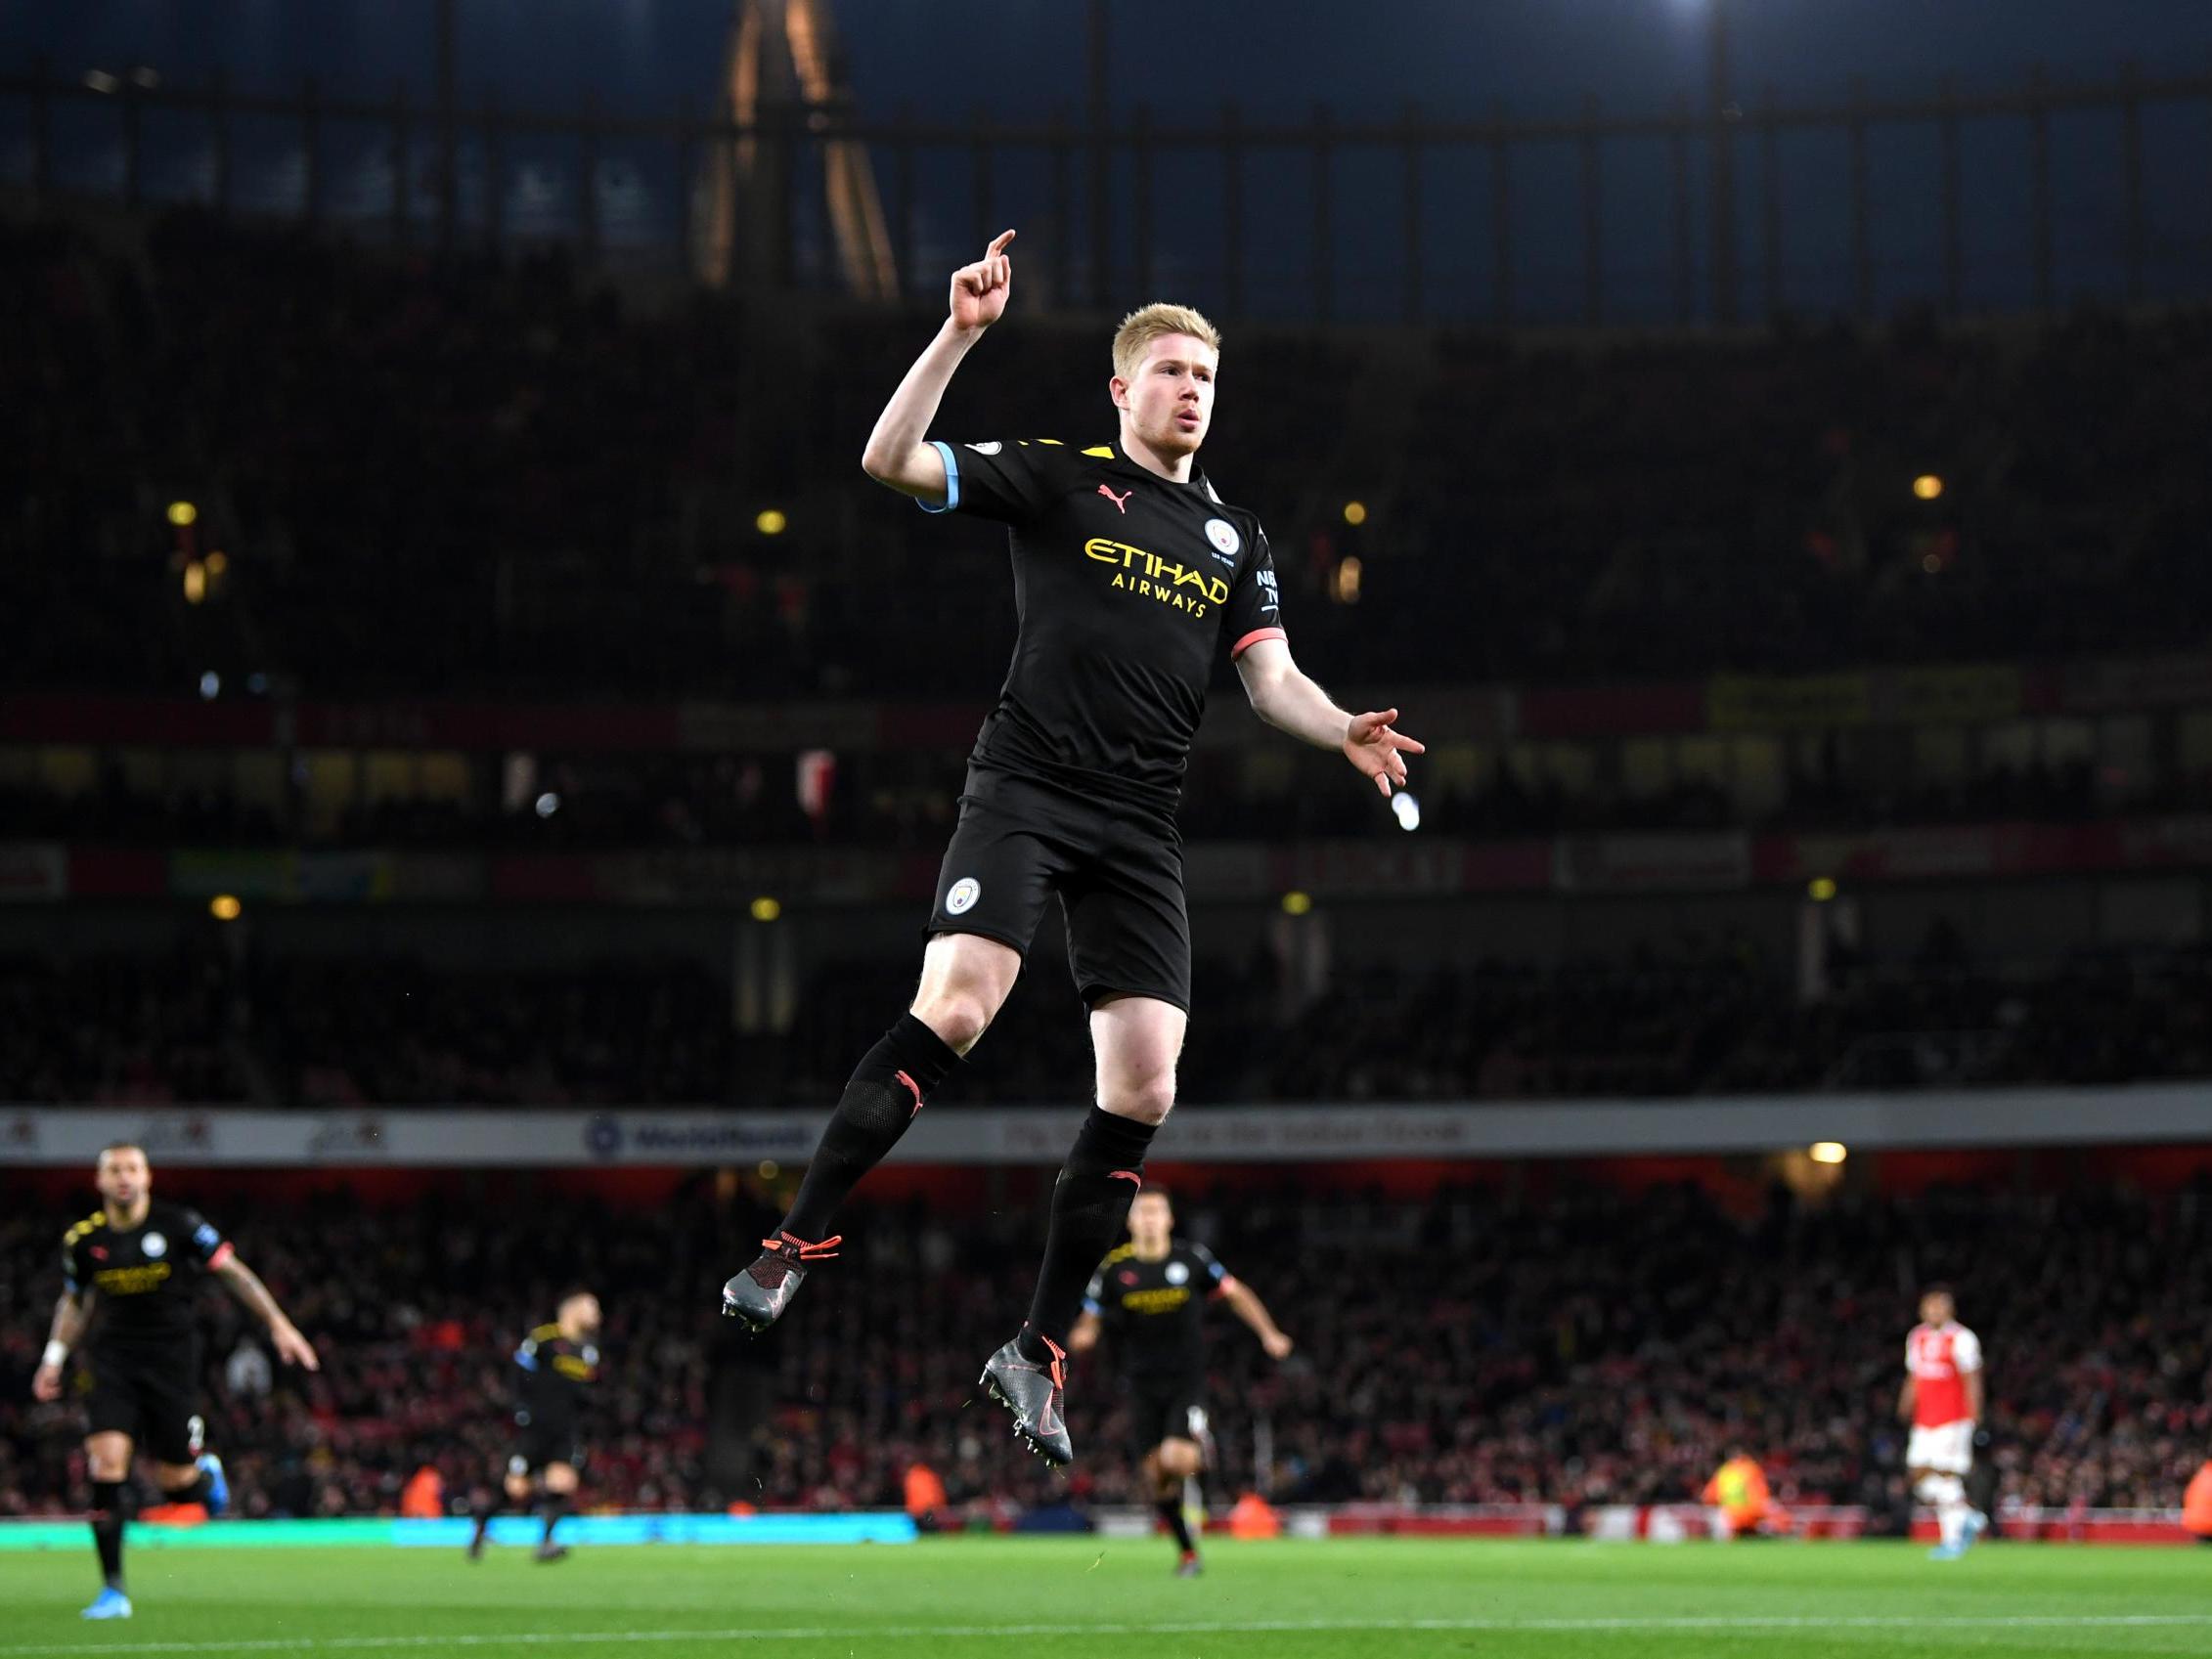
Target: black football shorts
x,y
544,1443
153,1397
1119,872
1167,1409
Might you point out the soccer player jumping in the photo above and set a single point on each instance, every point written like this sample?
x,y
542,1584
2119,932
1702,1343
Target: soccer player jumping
x,y
136,1261
1129,574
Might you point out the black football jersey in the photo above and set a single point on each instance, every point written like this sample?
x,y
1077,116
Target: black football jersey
x,y
1155,1310
1128,587
143,1277
556,1372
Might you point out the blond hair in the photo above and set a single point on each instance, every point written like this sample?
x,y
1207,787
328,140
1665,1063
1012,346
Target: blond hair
x,y
1140,328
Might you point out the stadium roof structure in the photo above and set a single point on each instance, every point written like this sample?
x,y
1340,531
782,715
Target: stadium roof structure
x,y
782,56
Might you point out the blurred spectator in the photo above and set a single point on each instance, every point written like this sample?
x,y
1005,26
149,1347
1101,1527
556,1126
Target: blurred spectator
x,y
246,1374
1739,1491
424,1498
2196,1504
925,1497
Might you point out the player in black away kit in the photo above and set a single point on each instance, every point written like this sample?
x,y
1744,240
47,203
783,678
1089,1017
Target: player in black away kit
x,y
556,1363
1132,578
1151,1295
129,1272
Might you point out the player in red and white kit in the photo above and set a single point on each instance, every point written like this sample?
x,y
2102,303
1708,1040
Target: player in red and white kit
x,y
1942,1399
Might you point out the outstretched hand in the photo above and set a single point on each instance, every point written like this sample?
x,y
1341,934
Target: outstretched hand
x,y
292,1348
980,291
1377,751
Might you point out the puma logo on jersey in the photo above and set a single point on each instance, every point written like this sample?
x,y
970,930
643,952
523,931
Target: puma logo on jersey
x,y
1121,502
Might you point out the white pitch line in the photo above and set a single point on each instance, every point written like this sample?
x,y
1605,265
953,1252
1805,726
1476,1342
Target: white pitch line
x,y
1222,1627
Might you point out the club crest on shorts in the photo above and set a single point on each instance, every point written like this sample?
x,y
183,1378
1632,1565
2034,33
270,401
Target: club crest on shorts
x,y
154,1246
1223,535
961,899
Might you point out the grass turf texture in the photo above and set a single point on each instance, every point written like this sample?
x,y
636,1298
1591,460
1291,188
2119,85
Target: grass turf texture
x,y
1091,1599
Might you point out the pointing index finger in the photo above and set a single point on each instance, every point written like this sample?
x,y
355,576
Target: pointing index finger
x,y
999,243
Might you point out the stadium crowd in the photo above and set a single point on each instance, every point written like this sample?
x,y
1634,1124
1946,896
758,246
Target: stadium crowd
x,y
1575,1345
493,478
390,1030
908,799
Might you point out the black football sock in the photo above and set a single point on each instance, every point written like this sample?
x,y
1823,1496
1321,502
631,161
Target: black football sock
x,y
194,1491
887,1091
107,1529
1090,1203
555,1507
1172,1512
486,1508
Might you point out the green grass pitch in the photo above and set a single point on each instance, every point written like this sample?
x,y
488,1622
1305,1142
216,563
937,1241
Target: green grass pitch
x,y
1091,1598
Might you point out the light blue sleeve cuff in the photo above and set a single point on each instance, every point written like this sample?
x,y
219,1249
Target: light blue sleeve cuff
x,y
951,479
1093,1308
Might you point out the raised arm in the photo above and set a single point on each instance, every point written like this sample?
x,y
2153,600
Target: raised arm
x,y
72,1312
1247,1307
245,1285
1287,700
896,454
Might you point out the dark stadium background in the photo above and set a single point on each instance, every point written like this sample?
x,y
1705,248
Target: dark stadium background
x,y
511,781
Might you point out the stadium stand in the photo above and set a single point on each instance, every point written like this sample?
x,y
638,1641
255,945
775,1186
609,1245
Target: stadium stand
x,y
496,476
1562,1344
396,1032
